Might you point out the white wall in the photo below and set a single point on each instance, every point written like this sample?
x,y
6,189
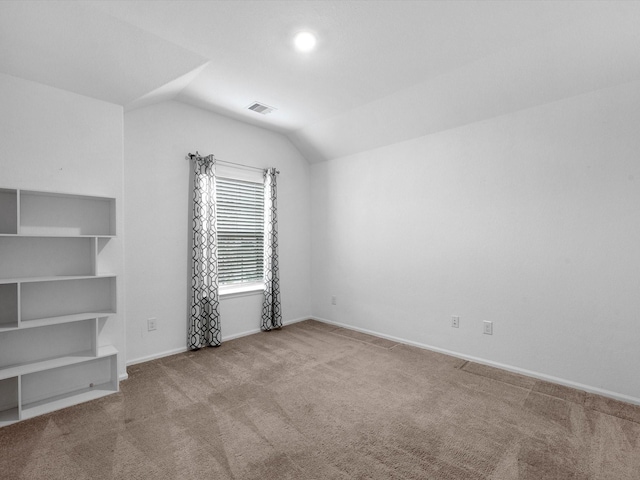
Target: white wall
x,y
54,140
530,220
157,139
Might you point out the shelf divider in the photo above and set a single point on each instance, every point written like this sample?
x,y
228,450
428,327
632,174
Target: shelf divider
x,y
44,322
7,417
67,400
54,278
56,362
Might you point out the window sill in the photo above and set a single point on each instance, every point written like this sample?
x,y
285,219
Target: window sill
x,y
227,291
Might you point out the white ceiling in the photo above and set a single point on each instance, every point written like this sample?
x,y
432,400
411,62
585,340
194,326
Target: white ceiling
x,y
384,71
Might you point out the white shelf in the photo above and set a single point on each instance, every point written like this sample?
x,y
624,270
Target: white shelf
x,y
54,278
33,235
43,213
34,213
78,317
56,254
57,362
8,305
67,400
9,393
7,417
8,211
44,322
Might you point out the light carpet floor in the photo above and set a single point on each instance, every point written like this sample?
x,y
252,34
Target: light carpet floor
x,y
313,401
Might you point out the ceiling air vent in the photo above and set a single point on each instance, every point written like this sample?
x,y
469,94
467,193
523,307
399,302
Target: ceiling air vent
x,y
261,108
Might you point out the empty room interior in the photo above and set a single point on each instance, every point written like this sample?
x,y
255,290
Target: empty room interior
x,y
440,200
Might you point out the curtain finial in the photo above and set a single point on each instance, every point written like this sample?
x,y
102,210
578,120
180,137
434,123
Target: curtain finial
x,y
197,156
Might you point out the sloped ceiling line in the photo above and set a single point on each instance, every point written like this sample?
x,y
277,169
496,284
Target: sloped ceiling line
x,y
383,72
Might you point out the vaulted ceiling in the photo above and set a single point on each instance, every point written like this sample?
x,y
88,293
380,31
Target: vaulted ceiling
x,y
383,71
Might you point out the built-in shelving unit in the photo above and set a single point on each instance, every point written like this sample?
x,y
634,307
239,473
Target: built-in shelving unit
x,y
56,291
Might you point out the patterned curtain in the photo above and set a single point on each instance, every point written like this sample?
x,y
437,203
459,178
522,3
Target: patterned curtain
x,y
271,310
204,321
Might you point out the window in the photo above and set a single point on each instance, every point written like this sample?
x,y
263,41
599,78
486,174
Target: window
x,y
240,215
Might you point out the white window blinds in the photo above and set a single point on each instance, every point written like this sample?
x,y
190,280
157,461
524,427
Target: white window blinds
x,y
240,209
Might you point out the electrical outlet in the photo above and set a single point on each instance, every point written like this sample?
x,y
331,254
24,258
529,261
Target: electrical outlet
x,y
488,327
333,300
151,324
455,321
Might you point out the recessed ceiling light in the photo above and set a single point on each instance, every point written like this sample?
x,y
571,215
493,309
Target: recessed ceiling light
x,y
304,41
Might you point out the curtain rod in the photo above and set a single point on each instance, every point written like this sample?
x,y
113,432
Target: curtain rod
x,y
192,156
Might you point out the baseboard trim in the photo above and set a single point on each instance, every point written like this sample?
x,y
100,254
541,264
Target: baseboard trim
x,y
175,351
510,368
257,330
155,356
296,320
